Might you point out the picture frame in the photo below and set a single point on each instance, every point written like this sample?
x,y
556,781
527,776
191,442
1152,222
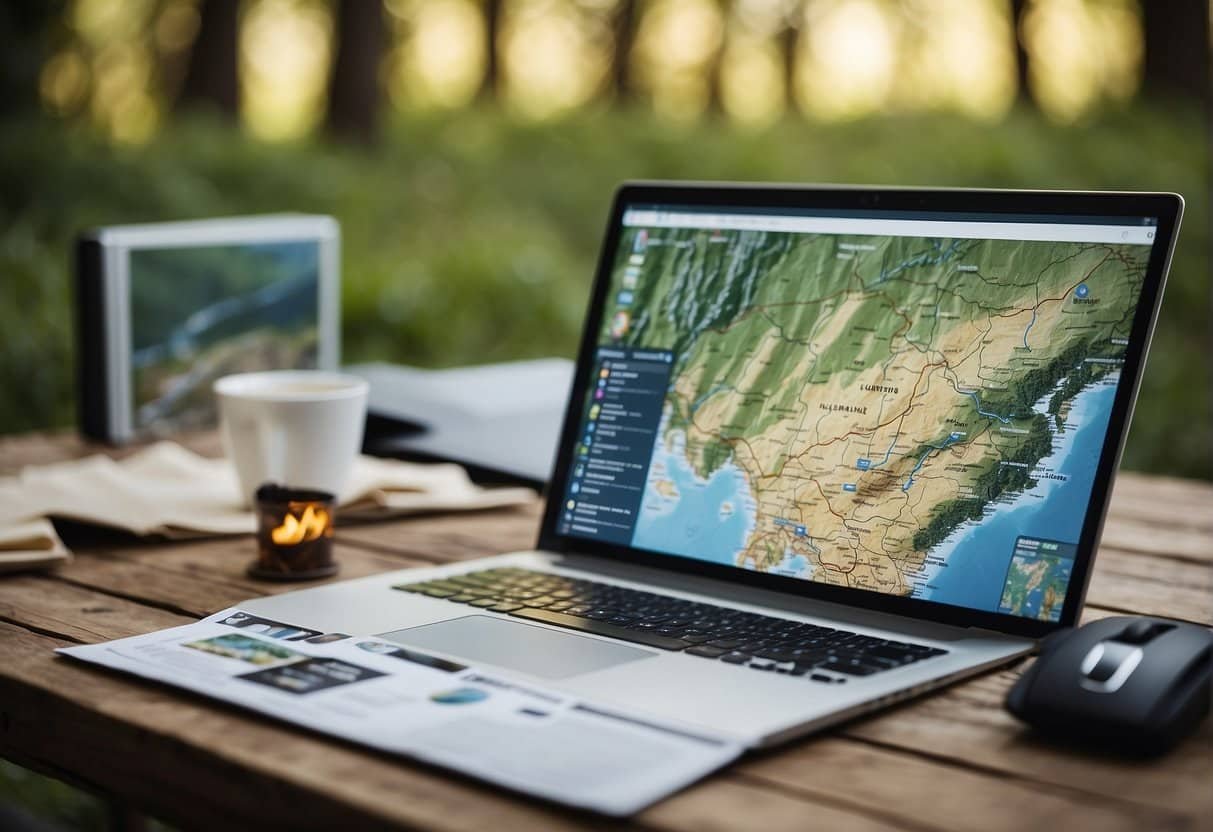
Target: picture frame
x,y
164,309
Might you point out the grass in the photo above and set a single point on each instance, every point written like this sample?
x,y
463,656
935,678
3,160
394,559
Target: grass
x,y
471,238
51,802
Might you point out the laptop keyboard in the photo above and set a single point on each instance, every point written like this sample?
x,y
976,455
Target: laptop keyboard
x,y
761,642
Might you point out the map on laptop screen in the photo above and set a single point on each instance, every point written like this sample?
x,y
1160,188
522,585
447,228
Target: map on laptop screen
x,y
907,406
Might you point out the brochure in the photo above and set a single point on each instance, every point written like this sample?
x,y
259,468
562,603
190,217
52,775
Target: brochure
x,y
407,702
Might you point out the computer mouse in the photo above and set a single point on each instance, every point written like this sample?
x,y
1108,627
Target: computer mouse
x,y
1128,684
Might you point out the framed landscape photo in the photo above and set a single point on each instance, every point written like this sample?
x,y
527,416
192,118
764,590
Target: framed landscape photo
x,y
165,309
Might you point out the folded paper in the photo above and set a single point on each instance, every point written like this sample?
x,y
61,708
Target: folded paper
x,y
31,545
168,490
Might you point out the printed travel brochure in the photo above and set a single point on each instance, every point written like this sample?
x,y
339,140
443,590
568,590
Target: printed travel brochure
x,y
406,702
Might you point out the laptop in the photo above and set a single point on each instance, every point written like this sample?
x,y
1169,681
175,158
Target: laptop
x,y
826,449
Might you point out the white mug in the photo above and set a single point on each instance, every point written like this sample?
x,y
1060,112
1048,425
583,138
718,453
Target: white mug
x,y
297,428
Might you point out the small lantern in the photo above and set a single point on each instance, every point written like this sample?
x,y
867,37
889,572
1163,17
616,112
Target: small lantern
x,y
294,534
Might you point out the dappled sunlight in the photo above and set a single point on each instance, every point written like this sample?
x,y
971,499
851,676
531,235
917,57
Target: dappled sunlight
x,y
755,61
64,82
285,51
957,54
440,56
101,21
552,60
848,61
1083,51
764,18
175,28
109,74
674,48
752,80
120,95
754,66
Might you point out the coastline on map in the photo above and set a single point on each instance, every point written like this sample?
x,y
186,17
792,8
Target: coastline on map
x,y
975,579
684,514
793,566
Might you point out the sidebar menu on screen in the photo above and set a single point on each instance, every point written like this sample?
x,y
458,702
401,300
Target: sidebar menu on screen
x,y
611,456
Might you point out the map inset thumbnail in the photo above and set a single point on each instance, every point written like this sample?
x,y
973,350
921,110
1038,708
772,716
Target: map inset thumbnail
x,y
1037,579
886,413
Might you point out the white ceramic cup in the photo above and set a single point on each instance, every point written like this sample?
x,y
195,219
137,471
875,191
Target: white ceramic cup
x,y
297,428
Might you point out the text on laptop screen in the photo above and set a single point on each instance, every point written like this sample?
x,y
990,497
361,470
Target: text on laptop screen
x,y
906,404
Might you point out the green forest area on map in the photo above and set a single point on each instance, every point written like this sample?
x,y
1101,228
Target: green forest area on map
x,y
876,391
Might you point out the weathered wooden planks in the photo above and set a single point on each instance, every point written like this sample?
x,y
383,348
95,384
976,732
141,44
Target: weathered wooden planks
x,y
967,725
1152,585
905,784
851,799
953,760
67,612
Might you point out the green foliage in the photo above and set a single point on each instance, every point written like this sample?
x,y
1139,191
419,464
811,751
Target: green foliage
x,y
716,452
944,521
50,801
472,238
1016,402
992,484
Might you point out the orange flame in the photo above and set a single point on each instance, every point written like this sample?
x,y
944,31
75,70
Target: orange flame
x,y
313,523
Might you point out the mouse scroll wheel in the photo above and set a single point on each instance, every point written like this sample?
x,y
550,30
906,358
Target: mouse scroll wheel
x,y
1103,668
1139,632
1108,664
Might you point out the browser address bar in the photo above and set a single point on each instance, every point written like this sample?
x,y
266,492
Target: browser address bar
x,y
946,229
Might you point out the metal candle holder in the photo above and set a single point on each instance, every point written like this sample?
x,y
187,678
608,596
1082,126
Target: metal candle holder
x,y
294,534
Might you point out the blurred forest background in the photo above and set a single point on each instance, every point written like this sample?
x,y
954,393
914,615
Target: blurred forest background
x,y
469,147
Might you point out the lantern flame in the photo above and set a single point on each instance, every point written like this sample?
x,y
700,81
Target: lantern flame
x,y
312,524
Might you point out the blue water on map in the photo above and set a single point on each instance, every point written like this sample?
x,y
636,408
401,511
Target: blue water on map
x,y
977,556
795,565
708,519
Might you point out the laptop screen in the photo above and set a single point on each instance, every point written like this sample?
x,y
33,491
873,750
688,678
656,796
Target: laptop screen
x,y
903,403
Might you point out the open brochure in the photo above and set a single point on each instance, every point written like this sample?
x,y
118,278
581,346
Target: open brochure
x,y
406,702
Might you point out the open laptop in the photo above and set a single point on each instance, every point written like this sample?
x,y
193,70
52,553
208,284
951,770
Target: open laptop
x,y
825,449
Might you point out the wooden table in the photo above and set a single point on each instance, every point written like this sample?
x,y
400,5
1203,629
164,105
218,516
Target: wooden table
x,y
952,760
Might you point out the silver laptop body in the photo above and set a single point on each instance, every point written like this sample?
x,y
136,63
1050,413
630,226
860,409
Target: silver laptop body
x,y
893,414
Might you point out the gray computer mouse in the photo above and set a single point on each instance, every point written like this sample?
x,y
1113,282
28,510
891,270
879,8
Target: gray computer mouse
x,y
1134,685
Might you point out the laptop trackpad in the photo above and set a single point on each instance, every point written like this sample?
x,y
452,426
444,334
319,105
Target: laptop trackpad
x,y
530,649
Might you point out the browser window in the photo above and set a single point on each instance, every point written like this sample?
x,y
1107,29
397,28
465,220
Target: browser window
x,y
905,403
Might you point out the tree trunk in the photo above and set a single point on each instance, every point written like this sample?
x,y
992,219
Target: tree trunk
x,y
625,34
1022,66
211,76
354,94
790,38
715,68
492,57
25,31
1177,49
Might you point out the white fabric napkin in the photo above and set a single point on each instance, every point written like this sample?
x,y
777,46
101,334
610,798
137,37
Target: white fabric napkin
x,y
168,490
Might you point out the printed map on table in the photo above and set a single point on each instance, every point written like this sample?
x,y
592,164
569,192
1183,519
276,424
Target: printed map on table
x,y
887,413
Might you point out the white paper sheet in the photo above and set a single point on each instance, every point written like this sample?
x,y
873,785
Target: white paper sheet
x,y
406,702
